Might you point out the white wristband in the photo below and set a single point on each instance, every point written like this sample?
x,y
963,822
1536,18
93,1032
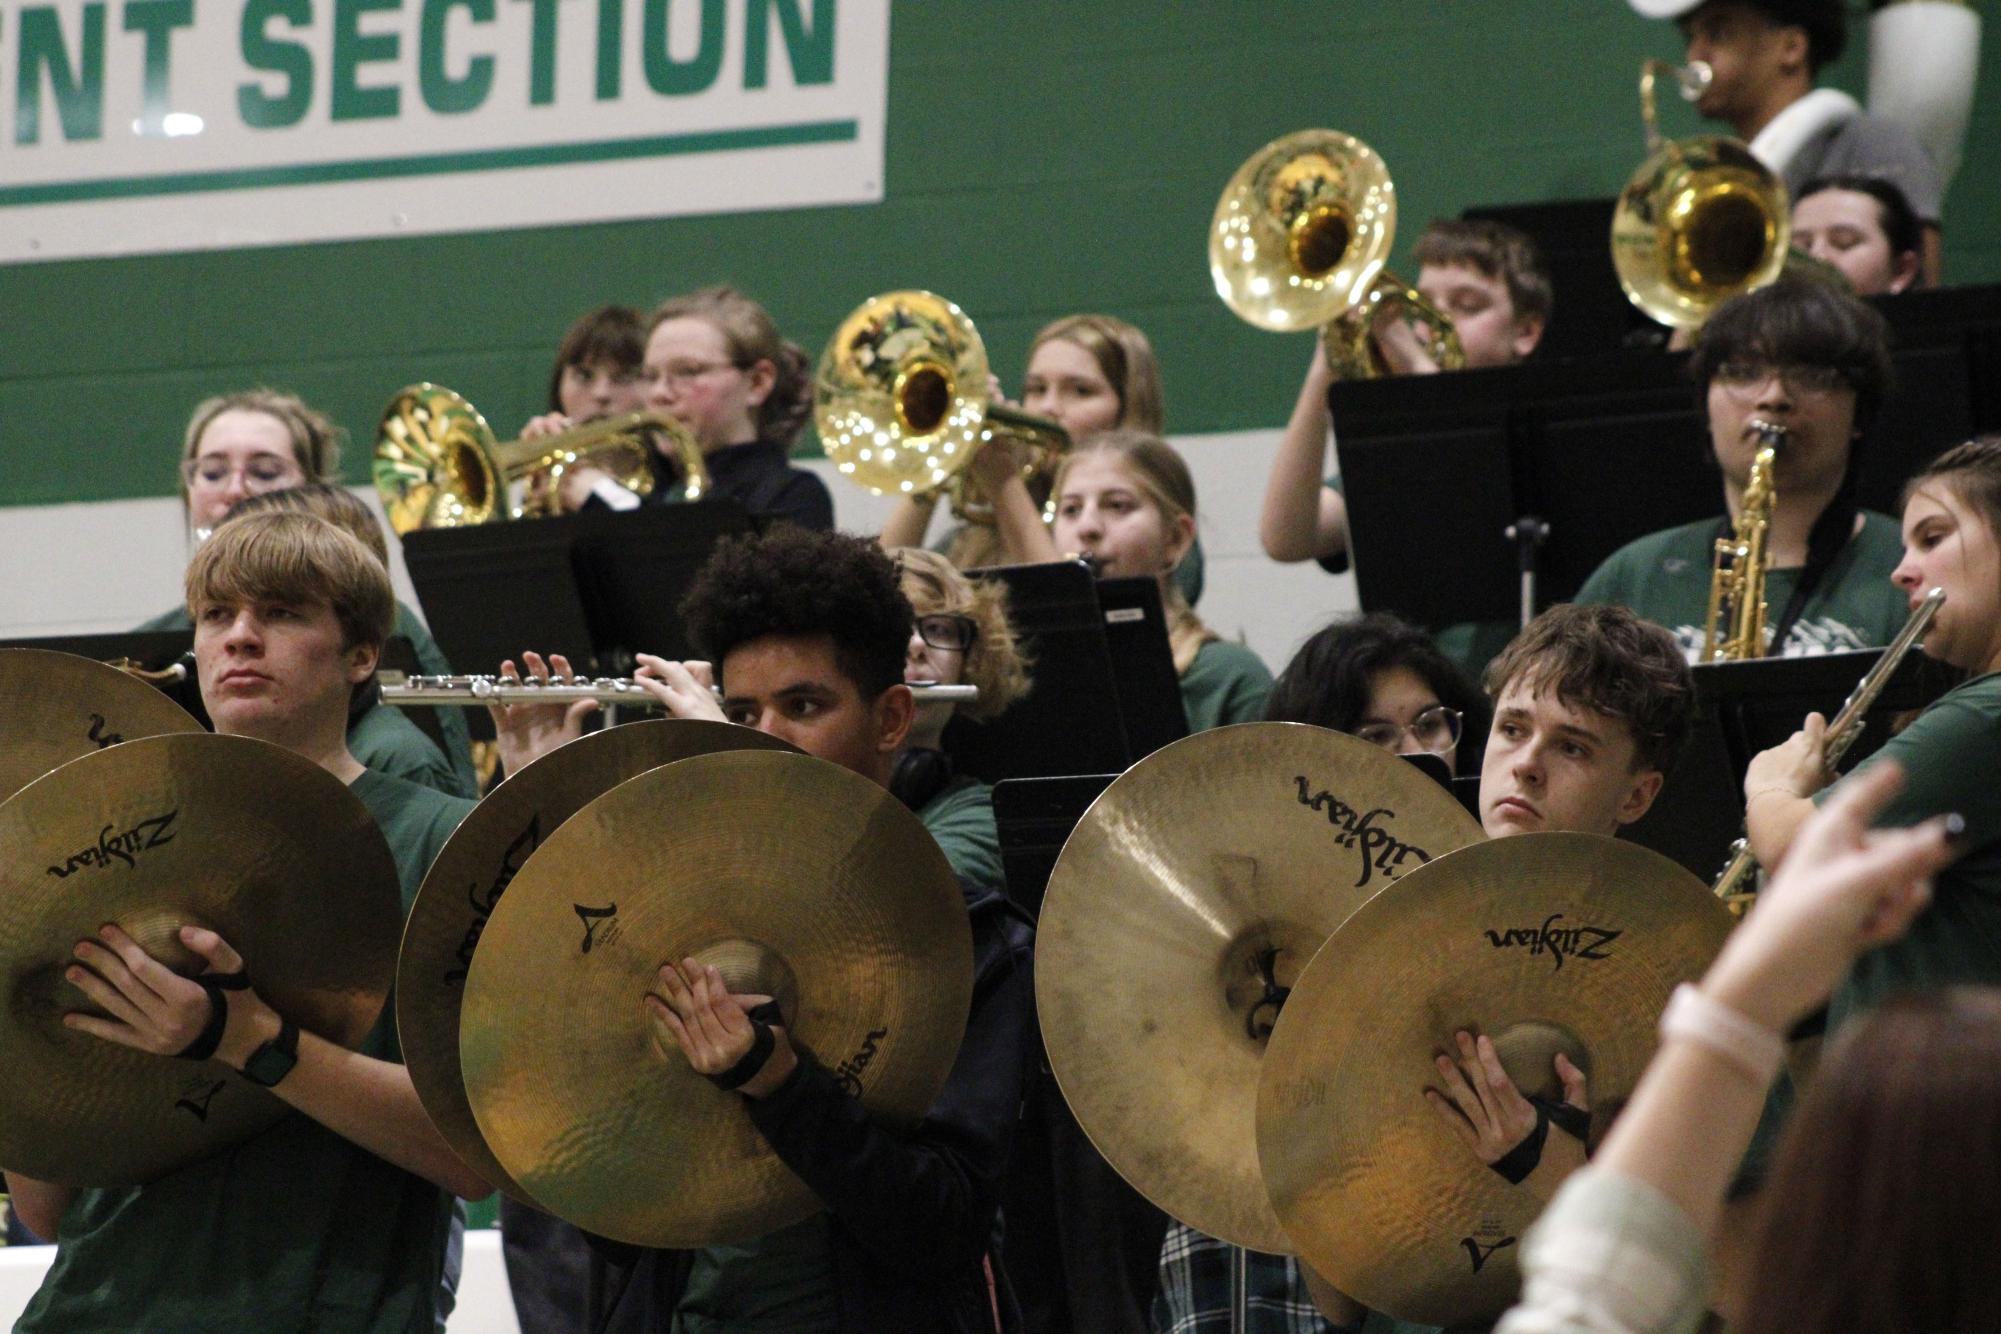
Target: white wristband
x,y
1698,1017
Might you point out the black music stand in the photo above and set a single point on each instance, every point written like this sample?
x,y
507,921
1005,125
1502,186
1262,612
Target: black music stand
x,y
1442,472
1742,708
593,587
633,569
1136,637
1100,699
1069,723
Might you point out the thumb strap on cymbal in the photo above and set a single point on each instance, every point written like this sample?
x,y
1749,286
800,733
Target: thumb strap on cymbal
x,y
1518,1162
210,1037
762,1044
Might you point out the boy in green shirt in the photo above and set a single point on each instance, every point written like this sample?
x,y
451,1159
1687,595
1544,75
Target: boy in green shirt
x,y
337,1218
1814,362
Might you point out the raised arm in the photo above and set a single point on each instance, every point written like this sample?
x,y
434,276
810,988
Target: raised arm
x,y
1303,519
1671,1156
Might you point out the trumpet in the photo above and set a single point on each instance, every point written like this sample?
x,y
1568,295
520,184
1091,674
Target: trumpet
x,y
901,403
1841,734
437,464
1299,239
1700,220
475,691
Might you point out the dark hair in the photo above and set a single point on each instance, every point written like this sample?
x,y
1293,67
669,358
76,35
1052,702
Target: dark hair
x,y
1893,1155
1327,683
1608,660
1824,22
797,583
609,335
752,336
1810,321
1898,219
1496,250
1973,471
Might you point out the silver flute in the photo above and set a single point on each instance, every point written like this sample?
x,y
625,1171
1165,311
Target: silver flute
x,y
1840,735
475,691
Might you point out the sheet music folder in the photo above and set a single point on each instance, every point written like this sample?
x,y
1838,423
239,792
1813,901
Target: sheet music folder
x,y
1742,708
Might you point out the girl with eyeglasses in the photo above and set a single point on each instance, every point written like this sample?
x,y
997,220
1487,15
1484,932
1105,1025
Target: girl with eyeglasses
x,y
960,636
1814,361
254,443
715,362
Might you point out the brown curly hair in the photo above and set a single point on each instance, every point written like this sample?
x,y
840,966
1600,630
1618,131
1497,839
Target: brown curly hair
x,y
1608,660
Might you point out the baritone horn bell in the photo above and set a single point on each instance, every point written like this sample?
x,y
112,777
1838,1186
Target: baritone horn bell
x,y
1299,240
902,404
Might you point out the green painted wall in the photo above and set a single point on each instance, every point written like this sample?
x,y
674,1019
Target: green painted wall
x,y
1044,156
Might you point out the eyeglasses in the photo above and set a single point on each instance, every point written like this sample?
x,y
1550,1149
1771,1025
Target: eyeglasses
x,y
684,373
260,472
1800,379
948,631
1436,730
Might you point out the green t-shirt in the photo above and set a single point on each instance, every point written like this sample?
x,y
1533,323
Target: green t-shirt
x,y
961,819
781,1283
1665,577
1951,755
392,749
295,1229
1227,683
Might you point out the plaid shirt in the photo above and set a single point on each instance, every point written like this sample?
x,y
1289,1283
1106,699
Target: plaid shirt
x,y
1194,1296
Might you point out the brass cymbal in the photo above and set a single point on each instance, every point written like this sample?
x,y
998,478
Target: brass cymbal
x,y
247,838
1543,942
1206,863
55,707
795,877
473,869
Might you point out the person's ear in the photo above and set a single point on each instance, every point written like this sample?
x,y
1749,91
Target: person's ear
x,y
1180,537
1526,336
362,660
1793,49
759,378
895,711
1640,797
1904,271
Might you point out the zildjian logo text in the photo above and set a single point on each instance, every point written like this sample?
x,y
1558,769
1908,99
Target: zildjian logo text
x,y
1559,942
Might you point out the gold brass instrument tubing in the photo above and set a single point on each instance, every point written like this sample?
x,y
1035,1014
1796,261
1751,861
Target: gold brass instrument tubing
x,y
437,464
1841,734
476,691
1298,241
901,402
1700,220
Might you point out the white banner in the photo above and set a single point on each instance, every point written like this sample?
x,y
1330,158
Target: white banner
x,y
139,126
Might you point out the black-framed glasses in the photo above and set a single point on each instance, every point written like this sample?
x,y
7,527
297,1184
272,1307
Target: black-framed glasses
x,y
948,630
1435,730
1798,377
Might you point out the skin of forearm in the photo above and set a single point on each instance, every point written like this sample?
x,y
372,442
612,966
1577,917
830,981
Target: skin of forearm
x,y
374,1104
1686,1129
1771,819
1291,526
1024,536
908,520
40,1205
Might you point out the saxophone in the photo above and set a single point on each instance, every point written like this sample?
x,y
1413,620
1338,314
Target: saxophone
x,y
1735,630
